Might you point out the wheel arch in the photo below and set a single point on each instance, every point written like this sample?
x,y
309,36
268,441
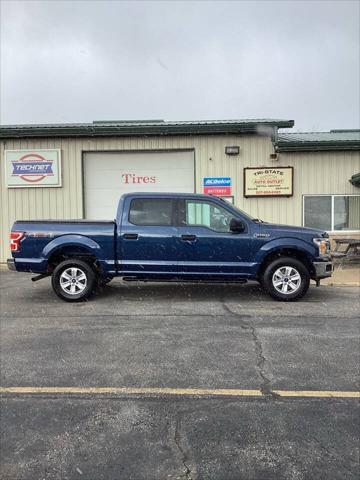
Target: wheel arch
x,y
300,254
72,246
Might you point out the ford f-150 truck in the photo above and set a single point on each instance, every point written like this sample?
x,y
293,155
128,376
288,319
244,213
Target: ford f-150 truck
x,y
171,237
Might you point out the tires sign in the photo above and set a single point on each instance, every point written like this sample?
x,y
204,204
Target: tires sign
x,y
32,168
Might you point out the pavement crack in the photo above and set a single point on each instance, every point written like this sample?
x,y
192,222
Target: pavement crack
x,y
265,386
184,458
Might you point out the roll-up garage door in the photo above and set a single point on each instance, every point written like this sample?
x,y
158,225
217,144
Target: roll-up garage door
x,y
108,175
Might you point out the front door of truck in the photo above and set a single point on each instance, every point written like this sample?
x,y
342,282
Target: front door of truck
x,y
147,238
207,246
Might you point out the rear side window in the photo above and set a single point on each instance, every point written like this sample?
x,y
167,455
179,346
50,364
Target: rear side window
x,y
151,211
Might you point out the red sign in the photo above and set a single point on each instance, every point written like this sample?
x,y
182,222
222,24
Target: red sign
x,y
220,191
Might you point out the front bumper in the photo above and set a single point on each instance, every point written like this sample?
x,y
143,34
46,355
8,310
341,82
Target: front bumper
x,y
322,269
11,264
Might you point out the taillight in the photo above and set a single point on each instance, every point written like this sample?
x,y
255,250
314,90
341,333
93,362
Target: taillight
x,y
15,238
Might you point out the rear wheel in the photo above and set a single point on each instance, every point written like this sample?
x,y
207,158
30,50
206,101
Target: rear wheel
x,y
73,280
286,279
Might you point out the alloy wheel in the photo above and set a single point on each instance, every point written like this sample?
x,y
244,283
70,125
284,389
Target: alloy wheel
x,y
73,280
286,280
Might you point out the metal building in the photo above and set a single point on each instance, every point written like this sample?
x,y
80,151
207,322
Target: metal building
x,y
80,170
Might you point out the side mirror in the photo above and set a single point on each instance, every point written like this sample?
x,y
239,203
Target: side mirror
x,y
236,225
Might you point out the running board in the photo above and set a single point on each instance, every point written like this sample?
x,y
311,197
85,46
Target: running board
x,y
178,280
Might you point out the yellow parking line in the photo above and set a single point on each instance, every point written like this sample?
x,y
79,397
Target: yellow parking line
x,y
317,393
132,391
198,392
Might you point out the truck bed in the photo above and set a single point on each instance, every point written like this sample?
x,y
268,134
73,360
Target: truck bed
x,y
44,237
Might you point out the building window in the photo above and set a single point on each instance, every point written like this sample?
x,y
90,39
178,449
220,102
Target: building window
x,y
332,212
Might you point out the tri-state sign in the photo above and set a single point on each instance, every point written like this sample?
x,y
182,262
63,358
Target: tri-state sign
x,y
219,186
268,181
33,168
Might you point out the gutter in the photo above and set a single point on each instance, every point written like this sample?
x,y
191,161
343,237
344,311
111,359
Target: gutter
x,y
99,130
317,146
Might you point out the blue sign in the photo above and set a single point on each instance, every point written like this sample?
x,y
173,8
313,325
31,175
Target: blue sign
x,y
28,168
217,182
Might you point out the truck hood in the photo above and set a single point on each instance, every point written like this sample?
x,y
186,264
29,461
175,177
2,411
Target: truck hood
x,y
292,230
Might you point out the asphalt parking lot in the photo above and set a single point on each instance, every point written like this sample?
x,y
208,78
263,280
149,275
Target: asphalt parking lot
x,y
83,404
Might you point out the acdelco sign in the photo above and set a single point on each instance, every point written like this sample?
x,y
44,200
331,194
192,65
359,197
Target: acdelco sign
x,y
33,168
220,186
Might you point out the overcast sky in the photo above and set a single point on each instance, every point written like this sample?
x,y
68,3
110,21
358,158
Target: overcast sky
x,y
79,61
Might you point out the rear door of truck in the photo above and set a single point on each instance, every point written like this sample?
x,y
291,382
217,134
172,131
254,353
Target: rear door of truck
x,y
147,236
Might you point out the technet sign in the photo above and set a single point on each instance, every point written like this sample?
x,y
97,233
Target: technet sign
x,y
220,186
32,168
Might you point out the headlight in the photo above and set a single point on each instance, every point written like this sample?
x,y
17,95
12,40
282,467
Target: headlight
x,y
323,245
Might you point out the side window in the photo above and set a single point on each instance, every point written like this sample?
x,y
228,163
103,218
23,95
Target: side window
x,y
207,214
317,212
151,211
332,212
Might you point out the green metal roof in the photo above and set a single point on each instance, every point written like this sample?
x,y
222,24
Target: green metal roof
x,y
143,127
318,141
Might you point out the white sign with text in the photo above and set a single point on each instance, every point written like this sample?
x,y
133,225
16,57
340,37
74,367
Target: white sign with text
x,y
32,168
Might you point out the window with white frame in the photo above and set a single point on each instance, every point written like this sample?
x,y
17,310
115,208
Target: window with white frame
x,y
332,212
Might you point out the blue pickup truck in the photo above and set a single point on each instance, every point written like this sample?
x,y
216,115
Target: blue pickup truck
x,y
171,237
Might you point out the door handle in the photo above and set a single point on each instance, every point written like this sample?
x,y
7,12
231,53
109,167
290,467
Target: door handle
x,y
131,236
188,238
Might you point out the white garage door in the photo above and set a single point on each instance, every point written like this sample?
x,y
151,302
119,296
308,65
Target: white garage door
x,y
108,175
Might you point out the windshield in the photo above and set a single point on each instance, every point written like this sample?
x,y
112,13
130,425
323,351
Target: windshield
x,y
242,213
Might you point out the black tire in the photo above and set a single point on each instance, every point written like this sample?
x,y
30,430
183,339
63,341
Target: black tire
x,y
276,279
82,289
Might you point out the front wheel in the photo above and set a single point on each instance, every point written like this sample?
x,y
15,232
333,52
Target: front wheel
x,y
286,279
73,280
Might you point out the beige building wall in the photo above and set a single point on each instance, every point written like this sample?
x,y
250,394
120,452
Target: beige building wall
x,y
314,173
326,172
